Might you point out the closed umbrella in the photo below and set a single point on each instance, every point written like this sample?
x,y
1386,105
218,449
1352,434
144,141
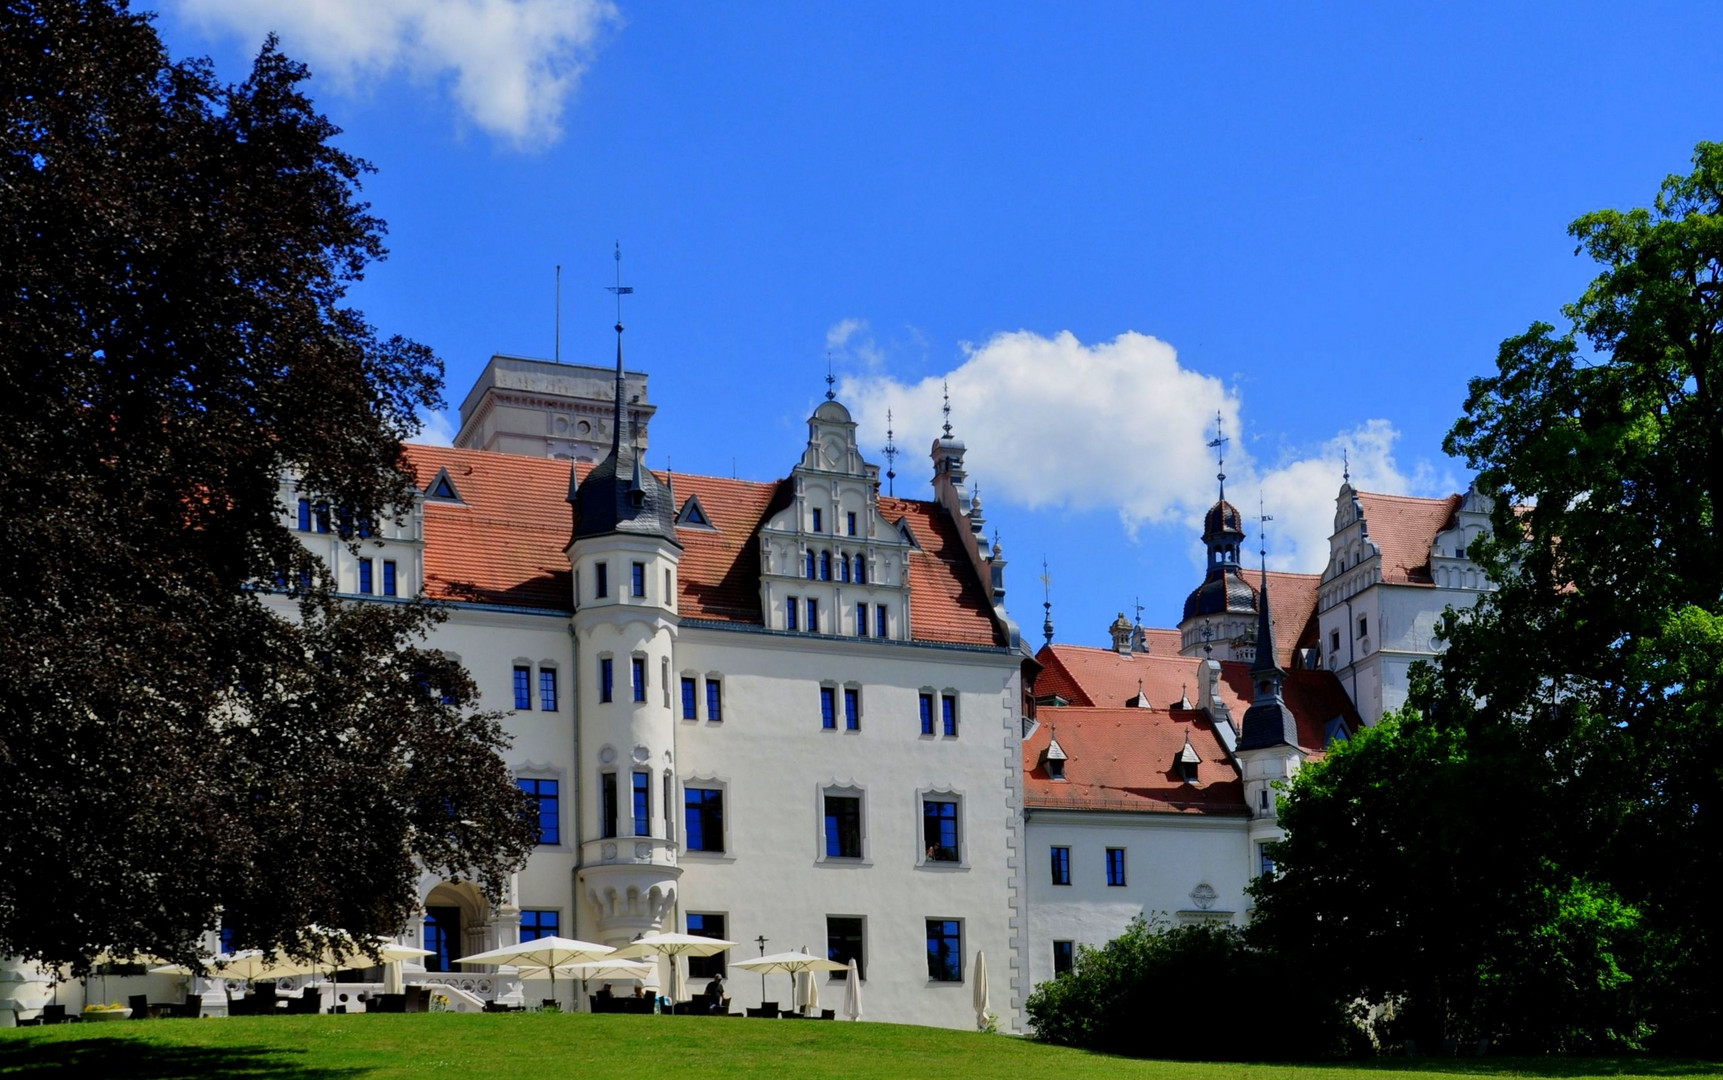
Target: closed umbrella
x,y
852,993
675,946
810,997
791,963
982,1004
545,952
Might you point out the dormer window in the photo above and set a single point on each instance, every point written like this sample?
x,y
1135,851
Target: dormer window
x,y
1055,769
1053,760
1186,762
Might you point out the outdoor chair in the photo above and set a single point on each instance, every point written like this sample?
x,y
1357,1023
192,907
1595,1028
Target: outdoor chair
x,y
53,1014
763,1014
770,1006
310,1003
828,1014
140,1006
191,1010
388,1003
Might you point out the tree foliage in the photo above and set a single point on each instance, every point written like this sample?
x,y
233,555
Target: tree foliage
x,y
1576,717
174,253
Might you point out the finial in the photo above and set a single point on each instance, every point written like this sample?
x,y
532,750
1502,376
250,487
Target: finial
x,y
1262,520
890,453
1047,601
945,389
996,543
1208,638
830,378
619,290
1346,464
1218,445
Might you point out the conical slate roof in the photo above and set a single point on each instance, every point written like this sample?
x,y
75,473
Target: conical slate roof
x,y
620,495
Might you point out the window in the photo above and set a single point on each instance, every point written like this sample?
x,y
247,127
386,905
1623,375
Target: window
x,y
927,714
389,577
861,620
706,925
537,924
825,566
1335,731
844,941
1459,551
304,515
945,950
669,806
607,802
948,714
852,522
523,687
715,701
813,616
544,792
1363,626
690,696
703,818
843,827
1262,799
939,829
637,580
852,709
320,517
1055,768
1188,771
1334,643
669,590
1061,866
639,666
861,573
1064,955
828,708
843,567
606,678
601,581
642,804
810,566
547,689
817,523
664,679
367,568
790,613
1115,866
1264,860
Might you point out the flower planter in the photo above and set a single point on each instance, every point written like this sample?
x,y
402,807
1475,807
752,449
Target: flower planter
x,y
105,1014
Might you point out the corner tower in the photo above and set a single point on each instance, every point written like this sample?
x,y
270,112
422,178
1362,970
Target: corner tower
x,y
625,555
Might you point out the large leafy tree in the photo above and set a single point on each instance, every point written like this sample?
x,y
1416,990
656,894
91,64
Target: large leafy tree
x,y
1580,703
176,744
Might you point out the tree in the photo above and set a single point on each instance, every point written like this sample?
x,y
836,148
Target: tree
x,y
1579,706
174,254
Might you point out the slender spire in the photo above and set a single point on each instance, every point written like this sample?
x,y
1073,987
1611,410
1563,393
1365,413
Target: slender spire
x,y
1047,602
1346,464
619,290
945,389
890,453
1266,661
830,378
1218,445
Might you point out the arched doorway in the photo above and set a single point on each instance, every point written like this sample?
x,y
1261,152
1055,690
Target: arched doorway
x,y
457,924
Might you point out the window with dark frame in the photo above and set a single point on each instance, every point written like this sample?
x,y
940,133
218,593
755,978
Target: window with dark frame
x,y
861,570
539,924
545,796
844,943
828,708
639,667
690,697
642,804
601,581
706,924
304,515
852,709
880,620
1363,626
715,700
606,679
843,568
703,818
389,577
939,830
843,827
366,580
1115,866
810,565
813,616
825,566
791,612
547,689
607,803
948,714
861,620
1061,865
1064,956
320,517
637,579
817,520
852,522
927,714
945,950
523,687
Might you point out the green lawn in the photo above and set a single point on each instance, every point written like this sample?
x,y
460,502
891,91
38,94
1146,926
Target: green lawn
x,y
528,1046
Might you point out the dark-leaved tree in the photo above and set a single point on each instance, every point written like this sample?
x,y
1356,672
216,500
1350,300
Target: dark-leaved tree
x,y
174,253
1534,850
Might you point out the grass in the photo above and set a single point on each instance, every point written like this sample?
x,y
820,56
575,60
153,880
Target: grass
x,y
530,1046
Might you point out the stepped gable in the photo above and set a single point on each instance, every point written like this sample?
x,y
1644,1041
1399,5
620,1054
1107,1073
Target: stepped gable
x,y
504,543
1088,677
1405,528
1124,760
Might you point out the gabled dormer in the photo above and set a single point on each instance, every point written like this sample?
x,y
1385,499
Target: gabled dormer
x,y
830,562
1451,554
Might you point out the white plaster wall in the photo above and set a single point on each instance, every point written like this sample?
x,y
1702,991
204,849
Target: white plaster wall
x,y
1166,857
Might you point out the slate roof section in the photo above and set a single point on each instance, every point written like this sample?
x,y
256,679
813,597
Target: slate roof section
x,y
505,544
1126,760
1405,528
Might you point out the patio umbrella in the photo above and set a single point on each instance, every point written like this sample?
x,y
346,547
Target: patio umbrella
x,y
790,963
608,968
852,993
809,999
343,953
982,1004
249,965
675,946
545,952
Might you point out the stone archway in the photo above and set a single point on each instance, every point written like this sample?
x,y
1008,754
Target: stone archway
x,y
458,922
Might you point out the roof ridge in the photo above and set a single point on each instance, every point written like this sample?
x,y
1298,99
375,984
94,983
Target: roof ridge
x,y
1431,499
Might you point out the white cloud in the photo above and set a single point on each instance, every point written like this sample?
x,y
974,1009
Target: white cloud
x,y
1053,423
511,65
435,429
851,340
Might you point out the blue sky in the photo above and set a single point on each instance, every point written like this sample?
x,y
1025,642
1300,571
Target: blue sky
x,y
1101,223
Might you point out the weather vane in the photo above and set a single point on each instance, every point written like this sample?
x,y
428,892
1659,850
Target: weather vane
x,y
1262,521
1346,464
890,453
1218,445
619,289
1047,601
830,378
945,389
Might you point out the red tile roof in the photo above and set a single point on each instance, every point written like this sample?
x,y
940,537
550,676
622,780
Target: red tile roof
x,y
1163,642
504,544
1404,528
1292,602
1123,759
1103,678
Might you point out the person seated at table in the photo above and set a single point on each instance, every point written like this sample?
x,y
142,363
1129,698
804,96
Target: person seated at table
x,y
639,991
604,992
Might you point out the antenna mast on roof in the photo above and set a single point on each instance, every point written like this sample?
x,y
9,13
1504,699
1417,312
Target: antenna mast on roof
x,y
890,453
1218,445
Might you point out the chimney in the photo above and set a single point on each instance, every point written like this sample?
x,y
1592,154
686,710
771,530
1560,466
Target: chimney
x,y
1121,633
